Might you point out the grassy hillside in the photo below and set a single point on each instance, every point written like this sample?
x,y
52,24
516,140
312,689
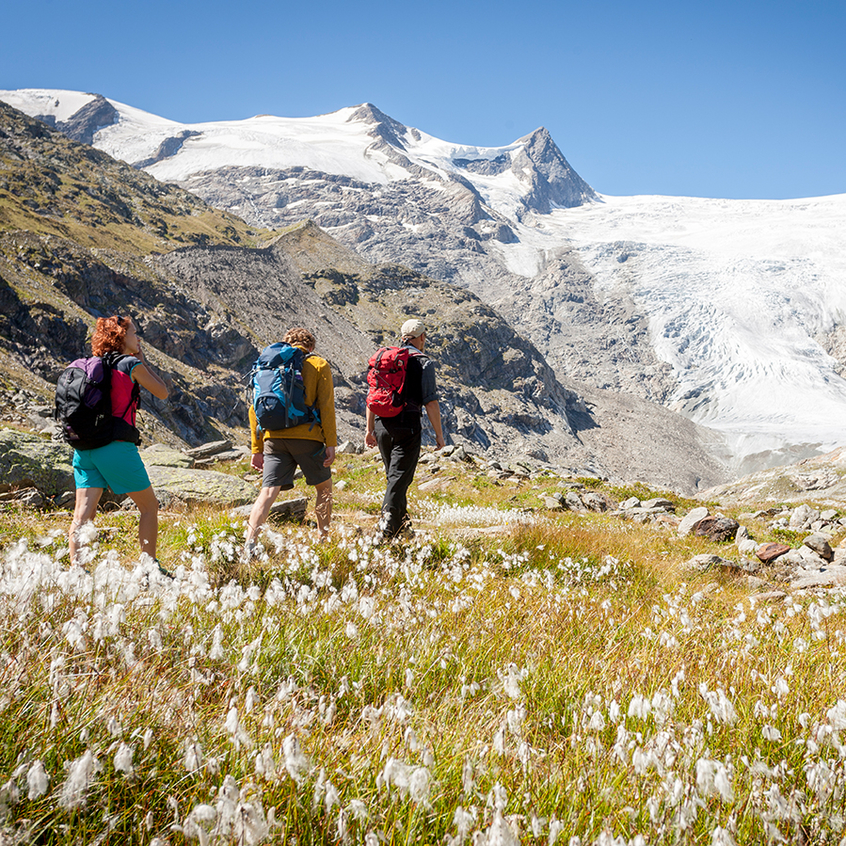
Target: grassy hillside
x,y
512,675
50,185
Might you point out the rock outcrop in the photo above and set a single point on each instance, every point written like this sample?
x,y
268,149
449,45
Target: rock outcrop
x,y
28,460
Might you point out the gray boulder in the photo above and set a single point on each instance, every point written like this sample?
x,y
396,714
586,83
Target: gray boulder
x,y
29,461
160,455
819,543
179,485
691,519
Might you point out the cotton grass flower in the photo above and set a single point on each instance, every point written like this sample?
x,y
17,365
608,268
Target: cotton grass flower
x,y
296,763
73,792
193,758
37,780
712,779
123,759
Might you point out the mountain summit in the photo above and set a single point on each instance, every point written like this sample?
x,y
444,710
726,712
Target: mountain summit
x,y
728,311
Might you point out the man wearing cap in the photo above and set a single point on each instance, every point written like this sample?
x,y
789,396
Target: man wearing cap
x,y
398,438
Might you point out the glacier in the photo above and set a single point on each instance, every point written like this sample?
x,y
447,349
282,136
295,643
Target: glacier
x,y
741,296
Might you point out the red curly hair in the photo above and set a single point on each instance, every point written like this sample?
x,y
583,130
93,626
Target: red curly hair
x,y
108,335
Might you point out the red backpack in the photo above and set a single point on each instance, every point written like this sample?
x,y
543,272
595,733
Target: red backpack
x,y
386,377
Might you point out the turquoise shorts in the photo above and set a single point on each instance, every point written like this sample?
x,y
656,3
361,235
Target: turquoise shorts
x,y
116,465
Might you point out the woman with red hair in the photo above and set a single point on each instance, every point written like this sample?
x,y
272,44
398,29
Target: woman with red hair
x,y
118,464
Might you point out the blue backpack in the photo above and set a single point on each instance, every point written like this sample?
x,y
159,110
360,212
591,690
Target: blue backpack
x,y
278,392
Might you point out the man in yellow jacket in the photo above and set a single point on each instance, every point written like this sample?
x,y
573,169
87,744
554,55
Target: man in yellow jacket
x,y
309,446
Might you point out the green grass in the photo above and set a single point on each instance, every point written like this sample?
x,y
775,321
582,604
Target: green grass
x,y
505,674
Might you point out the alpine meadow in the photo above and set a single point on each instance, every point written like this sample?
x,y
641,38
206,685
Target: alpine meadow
x,y
620,619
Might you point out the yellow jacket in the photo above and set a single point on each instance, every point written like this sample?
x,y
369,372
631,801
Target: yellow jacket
x,y
319,391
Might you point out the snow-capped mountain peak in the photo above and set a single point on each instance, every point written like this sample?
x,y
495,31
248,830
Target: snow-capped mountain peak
x,y
730,311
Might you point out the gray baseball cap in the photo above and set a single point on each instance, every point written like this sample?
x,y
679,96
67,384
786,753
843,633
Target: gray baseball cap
x,y
413,328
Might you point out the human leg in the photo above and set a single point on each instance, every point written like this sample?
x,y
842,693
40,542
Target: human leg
x,y
84,510
323,507
400,450
260,511
310,456
277,475
148,522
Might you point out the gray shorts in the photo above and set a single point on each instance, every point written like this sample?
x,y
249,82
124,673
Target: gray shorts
x,y
282,456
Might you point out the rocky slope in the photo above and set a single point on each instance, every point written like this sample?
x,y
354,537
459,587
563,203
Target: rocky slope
x,y
821,479
207,297
709,307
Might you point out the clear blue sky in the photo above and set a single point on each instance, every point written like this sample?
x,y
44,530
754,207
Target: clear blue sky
x,y
725,98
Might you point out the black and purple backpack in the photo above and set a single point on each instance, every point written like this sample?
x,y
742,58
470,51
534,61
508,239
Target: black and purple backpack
x,y
84,403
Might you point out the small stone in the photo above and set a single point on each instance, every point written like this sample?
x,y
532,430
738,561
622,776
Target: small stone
x,y
747,546
211,448
794,558
769,596
65,499
691,519
802,517
717,529
822,577
819,543
553,503
631,502
572,501
768,552
707,561
294,508
659,502
596,501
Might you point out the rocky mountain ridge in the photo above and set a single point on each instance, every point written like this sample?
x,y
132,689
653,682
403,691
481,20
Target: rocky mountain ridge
x,y
205,309
705,306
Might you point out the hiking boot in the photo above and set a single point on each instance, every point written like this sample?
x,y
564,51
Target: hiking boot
x,y
163,571
250,552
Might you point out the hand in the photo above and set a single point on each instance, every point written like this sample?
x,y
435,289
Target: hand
x,y
330,456
257,461
370,439
440,443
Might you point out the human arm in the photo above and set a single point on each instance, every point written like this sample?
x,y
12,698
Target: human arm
x,y
433,412
370,435
256,442
317,376
145,377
